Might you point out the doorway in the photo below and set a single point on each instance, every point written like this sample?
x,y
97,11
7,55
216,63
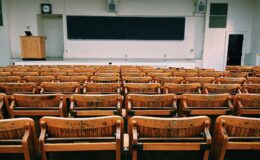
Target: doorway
x,y
51,26
235,49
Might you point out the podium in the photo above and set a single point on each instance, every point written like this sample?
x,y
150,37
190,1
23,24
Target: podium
x,y
33,47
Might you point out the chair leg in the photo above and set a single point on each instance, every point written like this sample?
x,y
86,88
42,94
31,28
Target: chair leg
x,y
206,155
43,155
134,155
222,154
118,155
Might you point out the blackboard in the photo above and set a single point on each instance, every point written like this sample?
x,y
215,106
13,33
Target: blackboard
x,y
125,28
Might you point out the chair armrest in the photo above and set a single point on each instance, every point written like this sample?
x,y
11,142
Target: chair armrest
x,y
118,90
129,106
165,90
207,133
135,134
61,108
72,104
159,90
34,89
76,90
118,134
42,134
125,91
11,108
42,90
25,138
199,90
119,106
230,105
174,104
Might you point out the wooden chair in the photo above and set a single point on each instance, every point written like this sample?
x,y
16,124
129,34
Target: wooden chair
x,y
18,136
184,74
11,88
181,88
214,74
4,106
233,68
231,80
92,105
5,73
22,74
235,133
256,72
247,105
97,79
10,79
205,104
87,74
49,69
251,88
164,80
81,134
55,74
201,80
60,87
136,79
39,79
253,80
142,88
151,105
134,74
151,134
154,75
238,74
79,79
38,105
221,88
107,74
101,88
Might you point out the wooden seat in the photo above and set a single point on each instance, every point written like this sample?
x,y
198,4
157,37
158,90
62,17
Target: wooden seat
x,y
10,88
12,79
251,88
181,88
101,88
169,134
18,136
235,133
136,79
253,80
79,79
81,134
39,79
201,80
164,80
62,87
142,88
95,105
4,106
184,74
97,79
231,80
247,105
151,105
221,88
205,104
38,105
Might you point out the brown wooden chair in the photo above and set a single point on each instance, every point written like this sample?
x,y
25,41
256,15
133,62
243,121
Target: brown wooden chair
x,y
22,74
205,104
247,105
136,79
151,105
38,105
235,133
231,80
256,72
142,88
247,69
133,74
155,75
18,136
4,106
97,79
184,74
221,88
107,74
164,80
101,88
81,134
92,105
238,74
151,134
87,74
12,79
11,88
79,79
233,68
253,80
55,74
60,87
201,80
5,73
251,88
214,74
39,79
181,88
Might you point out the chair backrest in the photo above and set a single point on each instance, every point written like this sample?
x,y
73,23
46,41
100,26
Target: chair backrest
x,y
254,80
87,74
247,69
146,88
201,80
137,79
39,79
154,75
251,88
10,88
164,80
233,68
181,88
13,79
22,74
238,74
184,74
221,88
101,88
97,79
4,105
107,74
231,80
79,79
133,74
214,74
250,102
63,87
5,73
55,74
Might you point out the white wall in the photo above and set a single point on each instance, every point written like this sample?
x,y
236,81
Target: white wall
x,y
240,19
4,43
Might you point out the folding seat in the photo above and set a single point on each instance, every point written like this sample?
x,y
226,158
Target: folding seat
x,y
182,88
251,88
101,88
179,136
11,88
201,80
151,105
92,105
127,79
81,134
79,79
164,80
253,80
247,105
4,106
18,136
221,88
142,88
238,135
97,79
10,79
60,87
37,105
231,80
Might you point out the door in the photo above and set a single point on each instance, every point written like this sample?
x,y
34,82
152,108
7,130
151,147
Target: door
x,y
235,48
51,26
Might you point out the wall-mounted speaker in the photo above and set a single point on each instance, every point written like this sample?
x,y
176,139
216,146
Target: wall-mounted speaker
x,y
112,5
201,6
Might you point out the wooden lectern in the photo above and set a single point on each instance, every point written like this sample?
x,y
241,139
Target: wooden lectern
x,y
33,47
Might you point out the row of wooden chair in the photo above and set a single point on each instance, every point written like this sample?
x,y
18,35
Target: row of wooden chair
x,y
135,104
254,70
146,134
